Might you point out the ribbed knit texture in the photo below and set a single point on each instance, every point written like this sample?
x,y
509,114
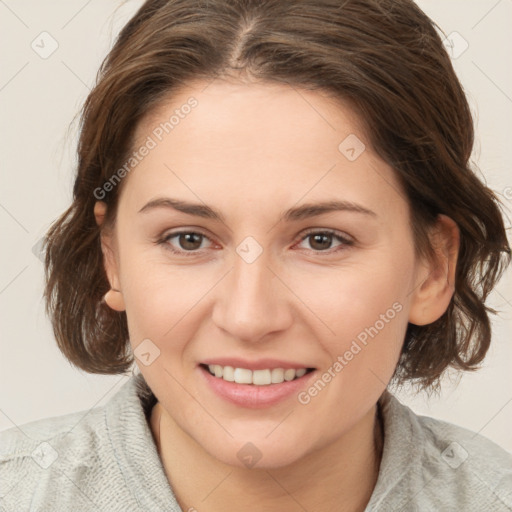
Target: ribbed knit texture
x,y
106,460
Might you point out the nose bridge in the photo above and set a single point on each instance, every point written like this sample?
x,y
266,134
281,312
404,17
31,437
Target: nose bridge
x,y
251,305
251,289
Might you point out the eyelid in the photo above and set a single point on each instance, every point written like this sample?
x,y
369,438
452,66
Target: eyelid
x,y
346,241
329,231
341,236
164,240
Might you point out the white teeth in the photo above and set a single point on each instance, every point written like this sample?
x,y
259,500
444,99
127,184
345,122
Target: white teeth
x,y
277,375
256,377
261,377
243,376
289,374
228,373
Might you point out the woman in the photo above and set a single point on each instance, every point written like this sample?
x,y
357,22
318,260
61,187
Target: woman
x,y
274,217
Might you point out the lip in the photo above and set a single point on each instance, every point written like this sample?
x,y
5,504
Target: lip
x,y
252,396
260,364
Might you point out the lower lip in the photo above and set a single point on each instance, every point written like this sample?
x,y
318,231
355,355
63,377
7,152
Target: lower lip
x,y
251,396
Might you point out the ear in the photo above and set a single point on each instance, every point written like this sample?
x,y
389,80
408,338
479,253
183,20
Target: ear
x,y
435,283
114,297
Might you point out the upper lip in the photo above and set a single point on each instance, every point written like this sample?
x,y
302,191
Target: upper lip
x,y
260,364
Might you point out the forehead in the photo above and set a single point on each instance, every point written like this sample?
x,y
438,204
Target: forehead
x,y
268,116
260,143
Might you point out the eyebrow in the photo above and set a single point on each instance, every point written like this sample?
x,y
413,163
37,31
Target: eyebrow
x,y
297,213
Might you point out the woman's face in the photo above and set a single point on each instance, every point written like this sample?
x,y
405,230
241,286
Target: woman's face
x,y
261,280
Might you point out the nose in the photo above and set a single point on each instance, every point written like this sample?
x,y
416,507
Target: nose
x,y
252,301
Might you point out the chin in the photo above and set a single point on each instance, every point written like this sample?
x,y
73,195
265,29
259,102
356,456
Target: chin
x,y
252,452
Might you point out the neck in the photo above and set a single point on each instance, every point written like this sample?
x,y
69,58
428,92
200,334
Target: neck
x,y
339,477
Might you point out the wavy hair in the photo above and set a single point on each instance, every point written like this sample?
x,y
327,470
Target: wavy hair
x,y
385,58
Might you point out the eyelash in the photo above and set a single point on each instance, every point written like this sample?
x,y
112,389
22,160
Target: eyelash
x,y
346,242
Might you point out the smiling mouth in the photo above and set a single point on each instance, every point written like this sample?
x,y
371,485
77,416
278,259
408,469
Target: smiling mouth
x,y
263,377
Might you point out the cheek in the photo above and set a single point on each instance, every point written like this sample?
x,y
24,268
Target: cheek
x,y
159,297
165,301
363,309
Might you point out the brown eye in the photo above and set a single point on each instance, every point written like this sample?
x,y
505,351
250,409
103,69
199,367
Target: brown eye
x,y
321,241
188,242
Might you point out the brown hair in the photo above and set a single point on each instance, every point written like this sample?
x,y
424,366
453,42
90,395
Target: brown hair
x,y
382,57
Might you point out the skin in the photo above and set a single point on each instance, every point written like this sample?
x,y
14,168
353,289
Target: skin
x,y
251,152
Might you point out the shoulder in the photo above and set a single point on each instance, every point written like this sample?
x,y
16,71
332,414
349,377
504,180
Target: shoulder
x,y
19,441
471,467
45,455
430,464
98,459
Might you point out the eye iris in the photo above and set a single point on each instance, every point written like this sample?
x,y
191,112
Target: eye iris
x,y
188,237
191,241
318,237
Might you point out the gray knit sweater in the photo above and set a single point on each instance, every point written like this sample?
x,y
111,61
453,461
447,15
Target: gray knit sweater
x,y
106,460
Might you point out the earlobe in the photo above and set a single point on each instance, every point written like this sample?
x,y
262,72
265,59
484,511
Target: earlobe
x,y
433,293
114,297
100,208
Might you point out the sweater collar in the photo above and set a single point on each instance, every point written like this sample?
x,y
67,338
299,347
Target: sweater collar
x,y
134,448
127,417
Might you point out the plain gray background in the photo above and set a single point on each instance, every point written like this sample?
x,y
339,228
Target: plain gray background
x,y
39,98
